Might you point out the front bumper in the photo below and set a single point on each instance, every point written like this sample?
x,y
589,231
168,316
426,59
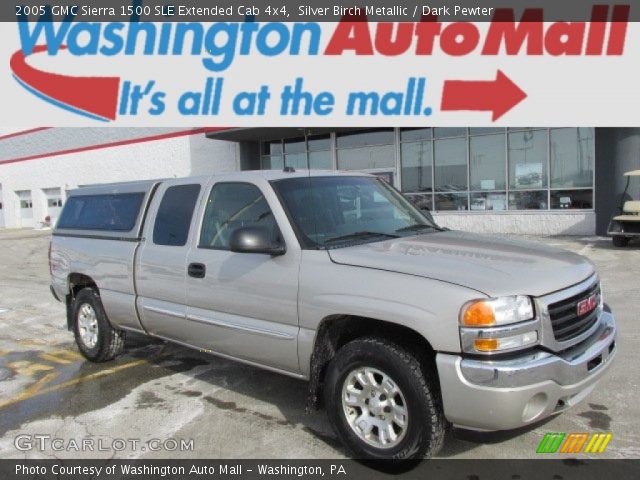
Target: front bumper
x,y
507,394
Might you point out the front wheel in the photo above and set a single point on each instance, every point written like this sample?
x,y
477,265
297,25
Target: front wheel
x,y
383,403
96,339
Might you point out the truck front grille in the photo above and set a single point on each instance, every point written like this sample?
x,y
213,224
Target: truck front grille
x,y
566,322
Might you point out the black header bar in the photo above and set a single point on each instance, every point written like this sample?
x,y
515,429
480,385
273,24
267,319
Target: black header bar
x,y
305,11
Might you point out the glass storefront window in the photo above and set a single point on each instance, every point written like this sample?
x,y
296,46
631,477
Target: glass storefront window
x,y
489,201
319,142
417,167
295,153
423,202
272,148
487,162
366,150
527,159
451,201
449,132
459,168
571,199
533,200
321,160
296,160
296,145
299,153
366,138
572,157
450,164
366,158
415,134
274,162
485,130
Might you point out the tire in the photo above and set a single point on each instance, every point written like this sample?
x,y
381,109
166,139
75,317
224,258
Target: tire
x,y
96,339
619,241
425,425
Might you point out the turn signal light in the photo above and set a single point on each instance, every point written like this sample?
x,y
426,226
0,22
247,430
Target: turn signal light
x,y
505,343
486,344
479,314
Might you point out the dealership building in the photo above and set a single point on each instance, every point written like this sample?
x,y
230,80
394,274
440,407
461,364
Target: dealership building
x,y
545,181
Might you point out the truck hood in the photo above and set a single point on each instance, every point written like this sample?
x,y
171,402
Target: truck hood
x,y
493,266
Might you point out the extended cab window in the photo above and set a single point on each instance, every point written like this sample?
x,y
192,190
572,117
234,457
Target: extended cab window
x,y
112,212
174,215
231,206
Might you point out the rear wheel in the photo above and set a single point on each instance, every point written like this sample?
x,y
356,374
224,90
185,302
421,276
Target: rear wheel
x,y
96,339
620,241
382,402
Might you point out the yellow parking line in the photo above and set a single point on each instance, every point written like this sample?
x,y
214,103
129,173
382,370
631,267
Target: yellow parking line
x,y
31,390
63,357
36,389
27,368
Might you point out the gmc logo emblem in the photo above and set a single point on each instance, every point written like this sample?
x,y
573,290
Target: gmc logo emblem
x,y
588,304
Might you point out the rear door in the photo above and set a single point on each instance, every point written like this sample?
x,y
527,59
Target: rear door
x,y
244,304
162,259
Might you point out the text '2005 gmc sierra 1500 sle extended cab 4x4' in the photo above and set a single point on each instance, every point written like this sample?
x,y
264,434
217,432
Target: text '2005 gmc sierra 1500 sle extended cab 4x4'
x,y
401,327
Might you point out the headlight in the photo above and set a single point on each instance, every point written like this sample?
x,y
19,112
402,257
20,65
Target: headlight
x,y
498,325
496,311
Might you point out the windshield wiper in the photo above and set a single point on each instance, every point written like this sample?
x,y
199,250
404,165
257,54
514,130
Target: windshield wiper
x,y
360,235
418,226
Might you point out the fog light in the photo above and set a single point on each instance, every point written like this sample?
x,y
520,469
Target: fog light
x,y
534,407
505,343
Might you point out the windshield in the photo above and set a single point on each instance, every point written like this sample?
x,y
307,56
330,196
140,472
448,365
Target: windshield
x,y
339,211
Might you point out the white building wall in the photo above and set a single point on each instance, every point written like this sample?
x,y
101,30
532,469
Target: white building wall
x,y
171,157
521,223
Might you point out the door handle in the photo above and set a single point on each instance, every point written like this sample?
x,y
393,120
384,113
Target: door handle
x,y
197,270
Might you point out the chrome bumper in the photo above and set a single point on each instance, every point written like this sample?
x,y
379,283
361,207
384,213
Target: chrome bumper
x,y
506,394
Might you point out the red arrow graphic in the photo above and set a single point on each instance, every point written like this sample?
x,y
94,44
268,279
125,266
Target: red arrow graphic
x,y
498,96
95,96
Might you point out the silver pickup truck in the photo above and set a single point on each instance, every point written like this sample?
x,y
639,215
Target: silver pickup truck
x,y
401,327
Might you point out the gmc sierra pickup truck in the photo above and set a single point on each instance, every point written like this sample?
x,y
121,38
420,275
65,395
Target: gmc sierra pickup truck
x,y
401,327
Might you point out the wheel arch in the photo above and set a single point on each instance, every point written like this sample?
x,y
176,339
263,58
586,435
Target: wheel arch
x,y
75,283
335,331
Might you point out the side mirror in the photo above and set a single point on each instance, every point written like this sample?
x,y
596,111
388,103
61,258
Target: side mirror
x,y
255,240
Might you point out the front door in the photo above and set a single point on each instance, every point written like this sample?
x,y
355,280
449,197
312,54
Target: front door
x,y
242,304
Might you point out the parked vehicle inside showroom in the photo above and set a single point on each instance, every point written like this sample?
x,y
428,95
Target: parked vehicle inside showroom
x,y
400,327
626,226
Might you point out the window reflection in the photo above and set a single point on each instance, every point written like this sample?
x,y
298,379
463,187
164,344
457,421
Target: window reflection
x,y
489,201
528,159
417,167
451,164
451,201
571,199
487,162
571,157
535,200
